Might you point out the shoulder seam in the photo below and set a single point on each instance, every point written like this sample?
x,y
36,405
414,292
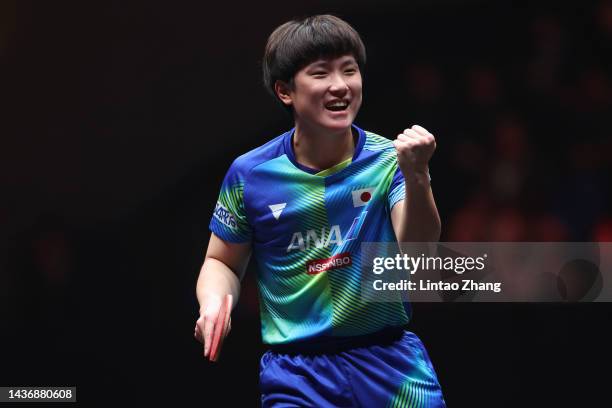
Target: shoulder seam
x,y
375,142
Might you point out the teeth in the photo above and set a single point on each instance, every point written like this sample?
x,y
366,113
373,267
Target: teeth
x,y
337,105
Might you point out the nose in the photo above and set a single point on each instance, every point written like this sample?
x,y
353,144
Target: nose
x,y
338,85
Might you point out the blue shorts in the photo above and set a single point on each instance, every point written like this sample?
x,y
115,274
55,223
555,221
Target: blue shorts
x,y
397,373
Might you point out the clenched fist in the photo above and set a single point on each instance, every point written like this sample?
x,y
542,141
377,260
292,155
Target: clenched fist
x,y
414,147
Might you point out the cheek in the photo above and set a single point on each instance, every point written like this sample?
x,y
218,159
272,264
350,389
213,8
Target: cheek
x,y
357,94
316,98
312,95
356,88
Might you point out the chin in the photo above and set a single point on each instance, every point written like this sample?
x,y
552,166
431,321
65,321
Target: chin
x,y
337,128
338,125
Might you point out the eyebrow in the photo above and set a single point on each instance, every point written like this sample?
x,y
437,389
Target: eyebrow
x,y
318,64
350,62
322,63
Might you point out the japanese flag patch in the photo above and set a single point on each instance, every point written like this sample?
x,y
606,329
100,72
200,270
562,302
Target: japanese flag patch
x,y
362,197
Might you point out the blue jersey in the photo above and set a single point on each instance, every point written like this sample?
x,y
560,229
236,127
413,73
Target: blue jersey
x,y
306,230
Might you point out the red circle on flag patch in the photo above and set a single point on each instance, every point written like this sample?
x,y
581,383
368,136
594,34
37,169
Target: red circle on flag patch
x,y
365,196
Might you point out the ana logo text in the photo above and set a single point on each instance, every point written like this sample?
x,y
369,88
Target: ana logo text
x,y
304,241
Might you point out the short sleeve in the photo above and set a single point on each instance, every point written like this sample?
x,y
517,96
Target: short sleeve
x,y
229,221
397,190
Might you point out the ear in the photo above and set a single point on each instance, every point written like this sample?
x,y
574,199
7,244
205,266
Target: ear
x,y
283,92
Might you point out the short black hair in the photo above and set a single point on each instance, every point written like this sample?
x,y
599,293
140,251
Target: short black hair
x,y
297,43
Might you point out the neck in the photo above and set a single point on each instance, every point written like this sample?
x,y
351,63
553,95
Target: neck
x,y
322,150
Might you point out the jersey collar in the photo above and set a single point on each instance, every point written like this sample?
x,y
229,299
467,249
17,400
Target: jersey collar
x,y
288,138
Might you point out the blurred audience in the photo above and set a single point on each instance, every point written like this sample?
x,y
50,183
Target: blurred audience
x,y
541,167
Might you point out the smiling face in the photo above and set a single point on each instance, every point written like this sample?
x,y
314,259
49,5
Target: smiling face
x,y
325,94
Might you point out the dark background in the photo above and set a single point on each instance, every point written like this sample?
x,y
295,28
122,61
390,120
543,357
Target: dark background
x,y
119,120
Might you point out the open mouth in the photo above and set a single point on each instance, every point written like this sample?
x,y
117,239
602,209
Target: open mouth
x,y
337,106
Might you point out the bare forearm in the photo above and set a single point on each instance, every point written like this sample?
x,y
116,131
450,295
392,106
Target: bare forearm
x,y
217,289
419,218
216,279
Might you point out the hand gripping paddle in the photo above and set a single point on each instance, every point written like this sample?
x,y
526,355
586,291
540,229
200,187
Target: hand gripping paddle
x,y
220,330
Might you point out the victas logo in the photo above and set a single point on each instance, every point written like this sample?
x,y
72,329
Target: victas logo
x,y
225,216
277,209
323,265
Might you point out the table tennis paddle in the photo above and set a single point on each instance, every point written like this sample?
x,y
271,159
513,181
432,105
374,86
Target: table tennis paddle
x,y
220,329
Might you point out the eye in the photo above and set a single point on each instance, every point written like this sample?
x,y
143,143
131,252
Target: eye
x,y
350,71
319,74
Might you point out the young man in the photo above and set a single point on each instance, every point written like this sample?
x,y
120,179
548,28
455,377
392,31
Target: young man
x,y
302,204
